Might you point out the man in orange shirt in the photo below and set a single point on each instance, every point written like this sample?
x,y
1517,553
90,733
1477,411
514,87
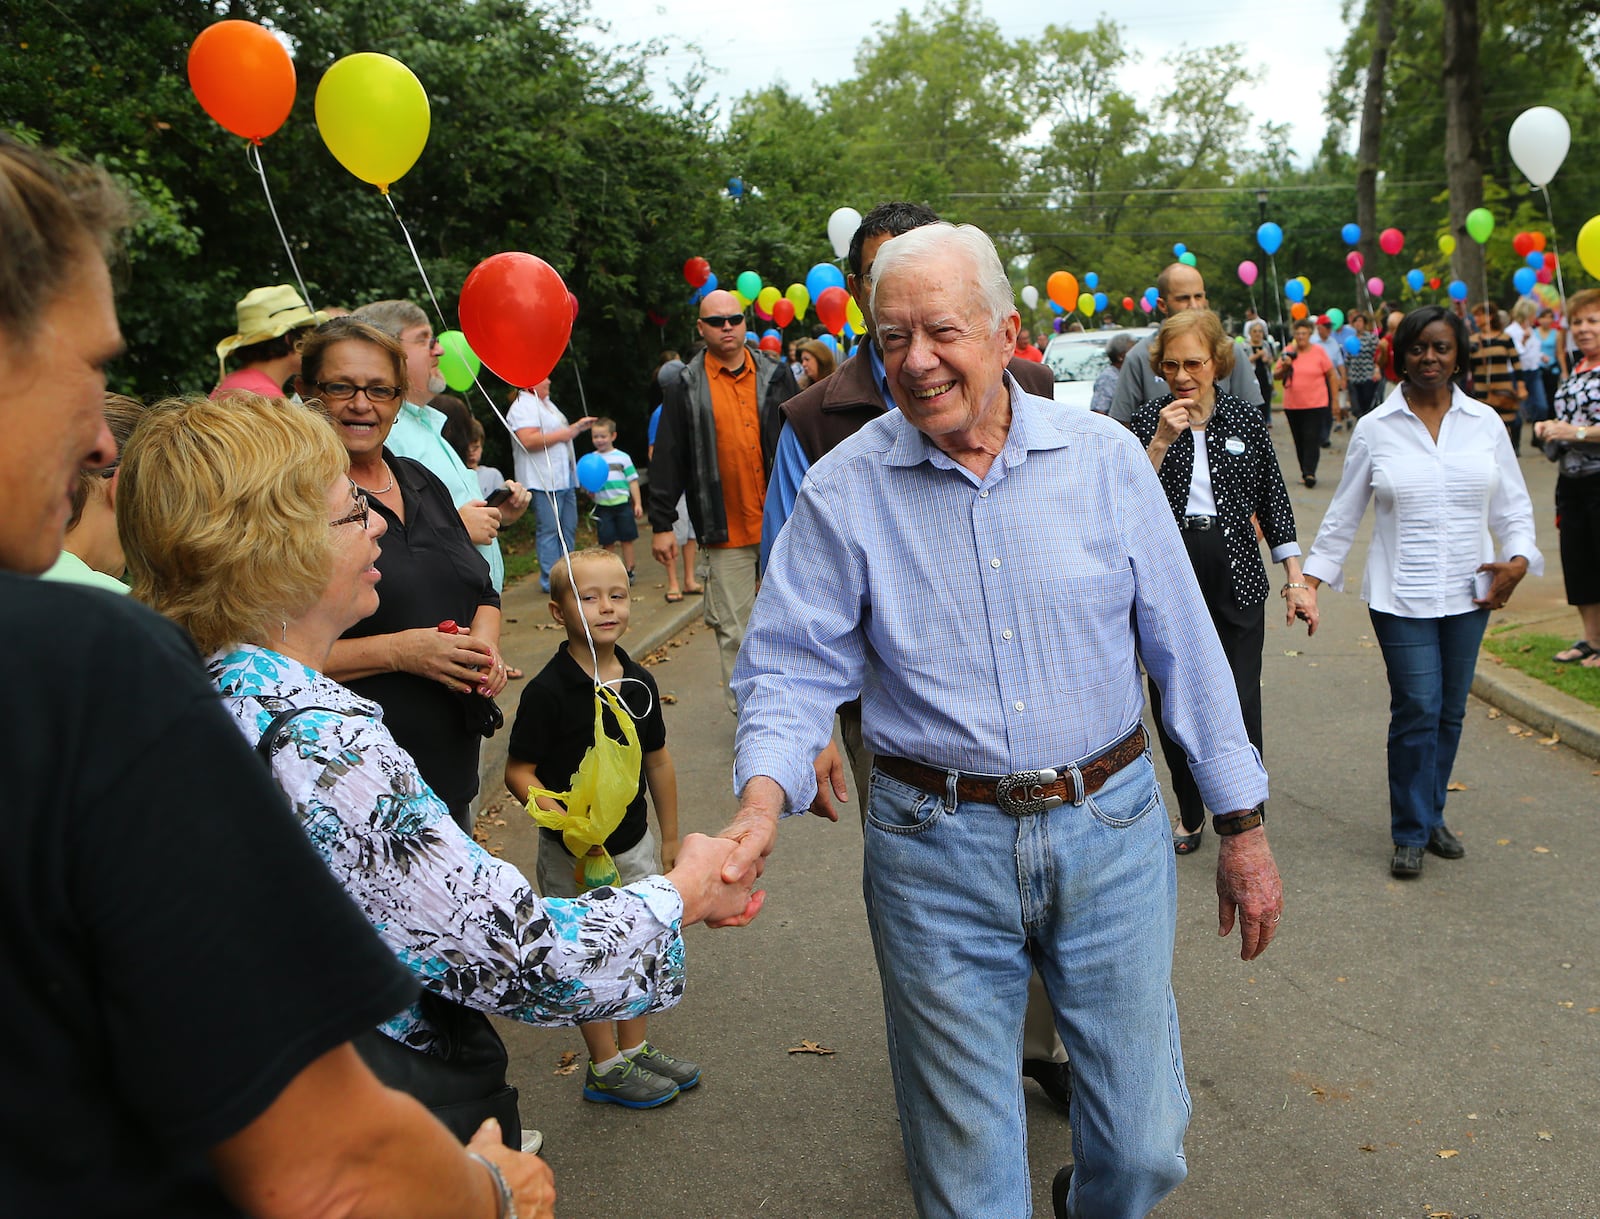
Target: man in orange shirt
x,y
1025,348
719,430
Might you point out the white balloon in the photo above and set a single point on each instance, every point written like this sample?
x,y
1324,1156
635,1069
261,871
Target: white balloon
x,y
842,226
1030,296
1539,141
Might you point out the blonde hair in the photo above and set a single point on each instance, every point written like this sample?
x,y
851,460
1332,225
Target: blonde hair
x,y
561,574
1205,326
222,509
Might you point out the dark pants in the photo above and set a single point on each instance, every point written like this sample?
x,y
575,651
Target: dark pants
x,y
1363,396
1514,430
1242,632
1306,428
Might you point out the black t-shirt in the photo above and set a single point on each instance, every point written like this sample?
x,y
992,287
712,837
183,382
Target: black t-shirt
x,y
172,951
555,728
431,572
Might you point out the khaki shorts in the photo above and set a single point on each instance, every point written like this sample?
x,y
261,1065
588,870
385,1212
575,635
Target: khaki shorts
x,y
556,864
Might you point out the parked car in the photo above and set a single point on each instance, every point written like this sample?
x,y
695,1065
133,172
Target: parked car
x,y
1077,358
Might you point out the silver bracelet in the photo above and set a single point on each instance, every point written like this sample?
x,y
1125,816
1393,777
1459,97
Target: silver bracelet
x,y
505,1206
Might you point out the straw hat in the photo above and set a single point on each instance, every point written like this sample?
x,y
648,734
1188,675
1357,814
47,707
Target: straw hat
x,y
266,313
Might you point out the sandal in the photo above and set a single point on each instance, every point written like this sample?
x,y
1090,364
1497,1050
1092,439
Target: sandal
x,y
674,598
1592,662
696,591
1581,649
1187,844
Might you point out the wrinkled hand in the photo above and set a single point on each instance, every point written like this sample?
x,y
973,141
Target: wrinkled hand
x,y
492,676
456,661
1301,603
1506,578
664,547
753,831
1174,421
482,521
713,888
532,1183
830,782
513,509
1248,885
579,426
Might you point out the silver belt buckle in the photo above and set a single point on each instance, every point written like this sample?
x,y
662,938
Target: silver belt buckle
x,y
1202,523
1022,794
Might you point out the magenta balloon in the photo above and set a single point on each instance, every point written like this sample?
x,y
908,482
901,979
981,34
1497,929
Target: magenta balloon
x,y
1375,286
1248,271
1391,241
1354,261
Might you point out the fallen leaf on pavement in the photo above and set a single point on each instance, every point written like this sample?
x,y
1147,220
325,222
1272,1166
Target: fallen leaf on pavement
x,y
1433,1214
1513,730
1447,1155
1502,842
1541,850
568,1063
1546,1137
1495,713
669,699
1457,787
807,1046
1553,739
1291,652
1366,1147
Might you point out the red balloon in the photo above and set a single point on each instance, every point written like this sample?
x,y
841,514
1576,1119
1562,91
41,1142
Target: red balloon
x,y
1354,261
696,271
1545,275
783,312
517,316
1127,303
243,77
831,306
770,342
656,318
573,300
1522,243
1391,241
1434,283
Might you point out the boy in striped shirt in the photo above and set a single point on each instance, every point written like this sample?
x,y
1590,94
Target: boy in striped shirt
x,y
617,507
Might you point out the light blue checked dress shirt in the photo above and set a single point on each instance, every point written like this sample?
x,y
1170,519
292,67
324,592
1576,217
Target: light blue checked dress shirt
x,y
989,626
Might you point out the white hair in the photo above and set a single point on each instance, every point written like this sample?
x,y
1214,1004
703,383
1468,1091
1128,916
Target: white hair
x,y
933,244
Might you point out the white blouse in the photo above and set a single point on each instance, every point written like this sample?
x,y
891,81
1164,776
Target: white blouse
x,y
1437,506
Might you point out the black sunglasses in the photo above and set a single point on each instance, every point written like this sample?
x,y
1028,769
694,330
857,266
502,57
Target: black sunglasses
x,y
722,320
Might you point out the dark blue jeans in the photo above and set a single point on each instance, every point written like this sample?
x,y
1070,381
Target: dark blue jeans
x,y
1430,663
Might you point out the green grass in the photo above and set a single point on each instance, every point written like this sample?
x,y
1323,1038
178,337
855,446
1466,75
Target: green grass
x,y
1530,653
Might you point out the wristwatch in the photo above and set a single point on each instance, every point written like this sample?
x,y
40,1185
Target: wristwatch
x,y
1581,434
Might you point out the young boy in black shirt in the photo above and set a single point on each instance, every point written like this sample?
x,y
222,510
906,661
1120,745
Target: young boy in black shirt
x,y
554,729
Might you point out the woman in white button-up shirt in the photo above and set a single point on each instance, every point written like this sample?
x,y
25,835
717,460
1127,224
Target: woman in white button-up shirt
x,y
1447,489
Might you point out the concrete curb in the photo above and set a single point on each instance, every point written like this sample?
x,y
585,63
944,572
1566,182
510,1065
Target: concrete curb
x,y
1538,705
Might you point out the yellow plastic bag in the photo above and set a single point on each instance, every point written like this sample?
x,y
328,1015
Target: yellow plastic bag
x,y
605,783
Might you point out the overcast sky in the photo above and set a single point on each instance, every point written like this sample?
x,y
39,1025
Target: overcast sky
x,y
750,46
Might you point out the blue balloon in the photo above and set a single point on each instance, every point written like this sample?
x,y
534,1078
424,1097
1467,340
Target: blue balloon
x,y
1294,290
1152,294
1458,290
1351,233
831,343
1269,237
1352,345
1100,299
592,472
771,332
822,277
1524,279
1056,308
710,285
1179,250
1415,279
735,187
1091,281
1535,259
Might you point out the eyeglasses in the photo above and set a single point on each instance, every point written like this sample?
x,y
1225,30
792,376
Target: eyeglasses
x,y
1170,368
343,391
718,321
360,513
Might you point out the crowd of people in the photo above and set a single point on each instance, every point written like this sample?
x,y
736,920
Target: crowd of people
x,y
314,628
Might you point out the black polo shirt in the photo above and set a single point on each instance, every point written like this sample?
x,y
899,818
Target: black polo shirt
x,y
555,728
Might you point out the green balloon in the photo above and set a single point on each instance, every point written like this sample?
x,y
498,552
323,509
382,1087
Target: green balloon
x,y
1480,223
1336,316
1187,259
749,285
457,363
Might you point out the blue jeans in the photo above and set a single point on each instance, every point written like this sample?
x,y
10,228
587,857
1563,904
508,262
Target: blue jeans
x,y
1535,406
963,901
562,515
1430,663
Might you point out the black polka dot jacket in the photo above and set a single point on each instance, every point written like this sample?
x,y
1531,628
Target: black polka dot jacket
x,y
1245,482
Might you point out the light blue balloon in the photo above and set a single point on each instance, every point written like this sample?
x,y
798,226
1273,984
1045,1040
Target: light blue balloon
x,y
710,285
1415,279
1524,279
592,472
735,187
1100,302
1351,233
1056,308
1269,237
1179,250
831,343
771,333
1294,290
1152,294
1458,290
1535,259
1091,281
822,277
1352,345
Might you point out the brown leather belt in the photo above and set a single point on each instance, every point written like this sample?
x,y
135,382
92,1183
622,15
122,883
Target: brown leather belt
x,y
1027,791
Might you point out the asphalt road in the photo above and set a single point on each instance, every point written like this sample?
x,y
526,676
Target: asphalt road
x,y
1416,1049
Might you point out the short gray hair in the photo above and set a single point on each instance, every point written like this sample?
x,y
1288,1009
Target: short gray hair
x,y
392,317
933,243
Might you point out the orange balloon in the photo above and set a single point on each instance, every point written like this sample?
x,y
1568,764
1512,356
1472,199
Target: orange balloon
x,y
1298,310
243,77
1538,241
1063,289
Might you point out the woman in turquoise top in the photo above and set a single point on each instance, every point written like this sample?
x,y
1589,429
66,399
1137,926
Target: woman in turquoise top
x,y
92,551
1552,353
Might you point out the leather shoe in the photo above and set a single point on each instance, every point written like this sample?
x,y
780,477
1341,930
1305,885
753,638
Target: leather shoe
x,y
1059,1188
1444,844
1407,862
1054,1077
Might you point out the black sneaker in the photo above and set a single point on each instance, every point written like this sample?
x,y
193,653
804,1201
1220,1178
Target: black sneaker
x,y
1444,844
1406,863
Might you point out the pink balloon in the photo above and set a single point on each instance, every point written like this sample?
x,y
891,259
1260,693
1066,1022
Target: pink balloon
x,y
1248,271
1391,241
1144,303
1354,261
1375,286
1544,275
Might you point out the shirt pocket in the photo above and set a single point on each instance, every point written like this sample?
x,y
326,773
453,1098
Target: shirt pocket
x,y
1082,629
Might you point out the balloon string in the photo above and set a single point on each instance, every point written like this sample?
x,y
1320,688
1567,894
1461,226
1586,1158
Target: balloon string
x,y
253,155
1277,296
1555,247
438,312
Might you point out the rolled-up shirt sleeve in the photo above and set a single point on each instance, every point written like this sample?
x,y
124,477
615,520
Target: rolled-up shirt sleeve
x,y
1511,511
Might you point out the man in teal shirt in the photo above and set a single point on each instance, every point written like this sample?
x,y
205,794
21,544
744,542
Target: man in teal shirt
x,y
417,431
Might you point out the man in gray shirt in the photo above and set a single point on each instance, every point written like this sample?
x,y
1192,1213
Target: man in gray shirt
x,y
1179,287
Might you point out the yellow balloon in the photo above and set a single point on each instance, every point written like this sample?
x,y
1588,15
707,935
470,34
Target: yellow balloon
x,y
797,296
852,314
1086,304
1447,245
1305,284
373,115
1589,246
767,298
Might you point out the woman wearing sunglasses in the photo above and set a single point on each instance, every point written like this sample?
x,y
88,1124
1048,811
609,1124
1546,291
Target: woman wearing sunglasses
x,y
1215,461
433,686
